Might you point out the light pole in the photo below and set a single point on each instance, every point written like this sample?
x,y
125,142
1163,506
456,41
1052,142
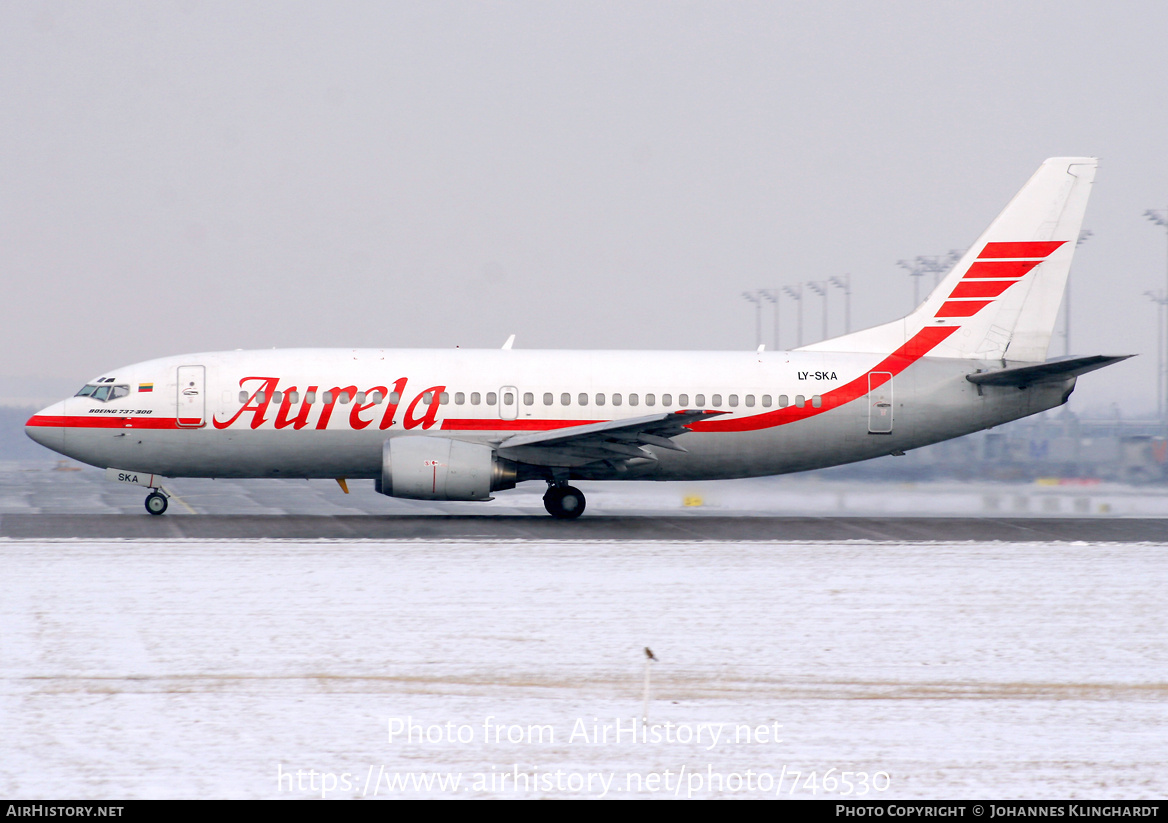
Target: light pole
x,y
1161,302
796,294
846,285
1160,218
755,297
820,287
1084,236
773,296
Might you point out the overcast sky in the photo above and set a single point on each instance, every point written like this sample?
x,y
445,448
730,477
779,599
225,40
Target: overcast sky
x,y
180,177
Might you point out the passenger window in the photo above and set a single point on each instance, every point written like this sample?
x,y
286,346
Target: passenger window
x,y
459,398
528,398
800,400
565,399
310,398
243,397
294,398
548,398
345,397
444,398
616,399
650,400
277,397
717,399
583,398
326,397
734,400
700,400
667,400
475,398
394,397
600,399
683,400
428,398
766,401
750,400
632,399
360,397
817,401
492,398
783,401
374,397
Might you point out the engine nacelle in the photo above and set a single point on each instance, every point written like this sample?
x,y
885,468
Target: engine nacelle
x,y
438,468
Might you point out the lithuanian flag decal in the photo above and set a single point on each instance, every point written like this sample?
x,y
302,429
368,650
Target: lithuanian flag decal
x,y
142,387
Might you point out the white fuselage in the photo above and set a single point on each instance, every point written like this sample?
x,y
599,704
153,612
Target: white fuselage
x,y
327,413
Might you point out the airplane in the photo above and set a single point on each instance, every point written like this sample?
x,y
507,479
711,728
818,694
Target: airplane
x,y
461,424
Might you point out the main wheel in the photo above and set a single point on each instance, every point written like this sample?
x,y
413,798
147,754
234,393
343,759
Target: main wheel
x,y
155,503
564,502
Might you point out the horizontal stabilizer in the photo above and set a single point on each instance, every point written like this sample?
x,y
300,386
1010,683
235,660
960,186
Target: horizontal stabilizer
x,y
1061,368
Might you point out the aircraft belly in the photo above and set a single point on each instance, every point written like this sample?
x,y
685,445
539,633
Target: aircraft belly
x,y
207,453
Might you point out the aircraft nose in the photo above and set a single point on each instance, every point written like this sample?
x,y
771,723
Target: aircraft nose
x,y
47,427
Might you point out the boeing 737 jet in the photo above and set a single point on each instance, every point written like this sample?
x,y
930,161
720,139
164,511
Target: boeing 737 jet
x,y
460,424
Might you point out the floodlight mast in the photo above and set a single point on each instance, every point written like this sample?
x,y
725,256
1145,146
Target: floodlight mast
x,y
755,297
820,287
1160,218
846,285
796,294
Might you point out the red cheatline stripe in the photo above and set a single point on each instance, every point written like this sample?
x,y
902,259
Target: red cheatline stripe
x,y
962,308
981,288
917,347
106,422
496,424
1005,268
1036,248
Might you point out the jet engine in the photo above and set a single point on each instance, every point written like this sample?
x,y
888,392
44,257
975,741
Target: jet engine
x,y
438,468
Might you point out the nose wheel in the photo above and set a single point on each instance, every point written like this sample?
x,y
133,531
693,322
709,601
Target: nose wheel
x,y
564,502
156,503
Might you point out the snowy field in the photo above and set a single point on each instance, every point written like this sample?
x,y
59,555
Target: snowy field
x,y
270,668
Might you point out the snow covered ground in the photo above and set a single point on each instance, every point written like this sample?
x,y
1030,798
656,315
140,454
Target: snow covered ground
x,y
280,668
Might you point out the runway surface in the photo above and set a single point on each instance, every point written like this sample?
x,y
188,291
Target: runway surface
x,y
51,500
639,528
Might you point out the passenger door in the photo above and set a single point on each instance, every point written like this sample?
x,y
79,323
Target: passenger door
x,y
879,402
192,404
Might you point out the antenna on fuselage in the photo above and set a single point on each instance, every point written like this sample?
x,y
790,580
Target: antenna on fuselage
x,y
510,342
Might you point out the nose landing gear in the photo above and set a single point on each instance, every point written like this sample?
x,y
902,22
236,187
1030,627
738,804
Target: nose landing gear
x,y
564,502
156,502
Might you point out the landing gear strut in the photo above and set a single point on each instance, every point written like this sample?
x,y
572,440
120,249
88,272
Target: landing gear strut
x,y
564,502
156,502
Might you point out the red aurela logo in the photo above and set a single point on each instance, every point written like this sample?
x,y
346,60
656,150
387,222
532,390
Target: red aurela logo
x,y
259,403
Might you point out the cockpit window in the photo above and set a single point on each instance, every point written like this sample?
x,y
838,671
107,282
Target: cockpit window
x,y
104,393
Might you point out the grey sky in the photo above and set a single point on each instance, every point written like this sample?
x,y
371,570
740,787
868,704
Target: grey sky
x,y
198,176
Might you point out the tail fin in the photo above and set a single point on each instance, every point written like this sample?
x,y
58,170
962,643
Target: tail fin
x,y
1001,300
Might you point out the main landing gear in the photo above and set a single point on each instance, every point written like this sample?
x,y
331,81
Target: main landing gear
x,y
564,502
156,502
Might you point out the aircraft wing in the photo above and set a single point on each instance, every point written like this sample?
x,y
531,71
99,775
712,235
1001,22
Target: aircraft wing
x,y
611,440
1059,368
